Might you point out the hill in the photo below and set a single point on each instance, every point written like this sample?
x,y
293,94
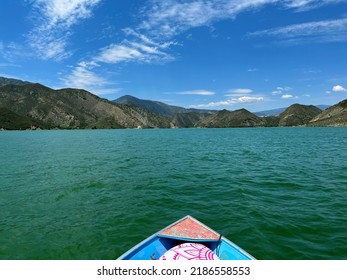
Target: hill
x,y
157,107
297,115
72,108
333,116
186,120
278,111
9,120
238,118
268,113
8,81
25,105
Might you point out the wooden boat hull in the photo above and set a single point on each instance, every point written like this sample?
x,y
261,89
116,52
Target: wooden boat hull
x,y
185,230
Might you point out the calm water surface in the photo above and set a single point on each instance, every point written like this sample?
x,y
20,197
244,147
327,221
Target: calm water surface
x,y
279,193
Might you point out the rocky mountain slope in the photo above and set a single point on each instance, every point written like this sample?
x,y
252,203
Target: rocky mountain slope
x,y
8,81
25,105
72,108
238,118
186,120
11,120
298,114
333,116
157,107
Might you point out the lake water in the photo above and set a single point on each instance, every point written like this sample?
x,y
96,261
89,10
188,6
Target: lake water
x,y
279,193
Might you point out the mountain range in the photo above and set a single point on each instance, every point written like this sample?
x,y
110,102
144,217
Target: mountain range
x,y
25,105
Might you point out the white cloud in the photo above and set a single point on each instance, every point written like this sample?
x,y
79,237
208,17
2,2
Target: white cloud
x,y
339,88
65,12
118,53
289,96
197,92
12,50
54,20
131,51
318,31
138,48
240,91
303,5
171,17
280,90
230,102
84,77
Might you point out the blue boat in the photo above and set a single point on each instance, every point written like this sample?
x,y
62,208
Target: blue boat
x,y
186,239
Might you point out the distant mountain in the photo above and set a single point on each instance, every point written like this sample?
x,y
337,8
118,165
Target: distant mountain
x,y
238,118
156,107
323,107
278,111
272,112
333,116
297,115
72,109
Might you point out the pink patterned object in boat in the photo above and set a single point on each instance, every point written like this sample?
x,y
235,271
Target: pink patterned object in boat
x,y
189,251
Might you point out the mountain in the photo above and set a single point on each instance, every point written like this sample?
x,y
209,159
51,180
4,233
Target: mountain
x,y
238,118
297,115
272,112
189,119
72,108
278,111
25,105
147,118
333,116
156,107
9,120
8,81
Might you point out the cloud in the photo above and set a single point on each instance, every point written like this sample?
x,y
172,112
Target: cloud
x,y
287,96
118,53
303,5
171,17
129,51
65,13
84,76
319,31
12,50
9,65
230,102
239,91
339,88
49,37
280,90
137,48
197,92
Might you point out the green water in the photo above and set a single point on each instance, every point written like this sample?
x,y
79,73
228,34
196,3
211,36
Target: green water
x,y
279,193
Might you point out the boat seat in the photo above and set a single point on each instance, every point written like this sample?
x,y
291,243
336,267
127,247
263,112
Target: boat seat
x,y
189,251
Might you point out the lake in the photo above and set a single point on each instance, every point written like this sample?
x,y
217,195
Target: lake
x,y
279,193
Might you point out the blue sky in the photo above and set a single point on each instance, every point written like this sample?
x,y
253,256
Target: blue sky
x,y
221,54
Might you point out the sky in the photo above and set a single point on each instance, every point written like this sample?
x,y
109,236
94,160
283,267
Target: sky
x,y
207,54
